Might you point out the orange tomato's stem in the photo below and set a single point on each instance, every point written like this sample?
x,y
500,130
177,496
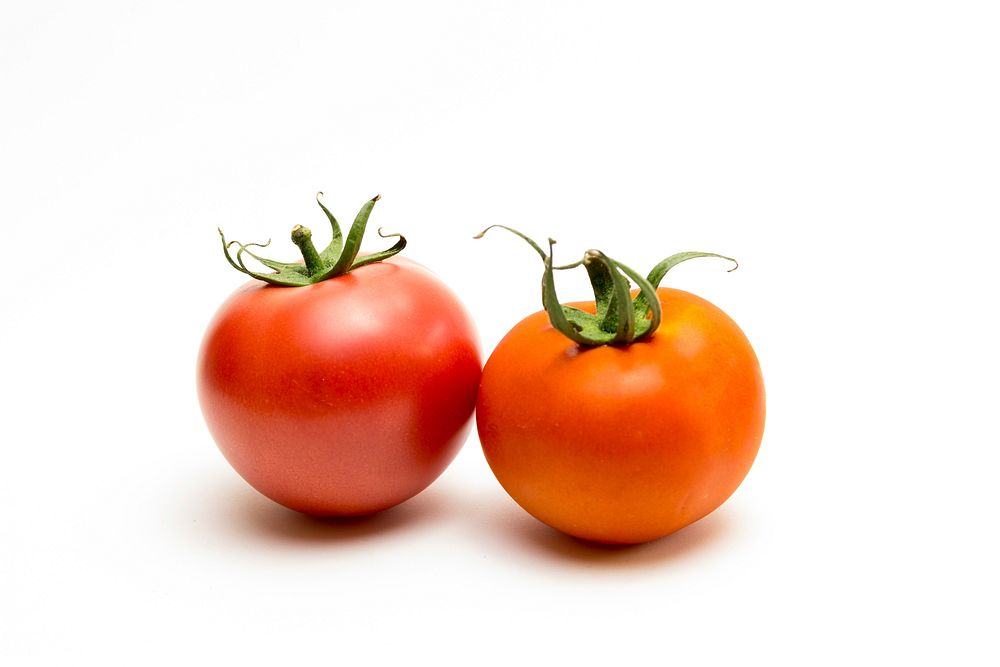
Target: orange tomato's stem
x,y
619,319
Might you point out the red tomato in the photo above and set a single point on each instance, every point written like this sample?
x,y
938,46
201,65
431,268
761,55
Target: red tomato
x,y
623,444
343,397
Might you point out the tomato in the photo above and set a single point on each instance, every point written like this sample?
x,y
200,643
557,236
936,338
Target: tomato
x,y
345,396
623,443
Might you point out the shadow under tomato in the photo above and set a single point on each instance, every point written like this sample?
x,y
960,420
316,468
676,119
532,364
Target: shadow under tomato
x,y
539,540
249,514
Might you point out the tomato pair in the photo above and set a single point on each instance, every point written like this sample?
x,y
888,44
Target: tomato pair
x,y
345,384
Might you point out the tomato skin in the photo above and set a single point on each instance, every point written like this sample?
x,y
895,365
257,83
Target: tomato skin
x,y
623,445
344,397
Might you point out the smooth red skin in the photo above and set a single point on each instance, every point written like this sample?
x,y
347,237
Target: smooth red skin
x,y
623,445
345,397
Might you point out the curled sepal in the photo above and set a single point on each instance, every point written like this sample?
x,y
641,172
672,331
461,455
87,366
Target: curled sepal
x,y
332,251
528,240
628,319
575,324
352,245
284,274
660,270
612,293
339,256
379,256
646,304
602,281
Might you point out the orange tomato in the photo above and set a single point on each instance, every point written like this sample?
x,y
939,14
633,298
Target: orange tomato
x,y
623,444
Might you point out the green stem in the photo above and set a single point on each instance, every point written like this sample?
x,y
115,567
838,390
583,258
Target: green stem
x,y
302,237
619,319
339,257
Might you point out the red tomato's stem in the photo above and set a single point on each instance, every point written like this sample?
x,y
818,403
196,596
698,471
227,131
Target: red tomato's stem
x,y
302,237
339,257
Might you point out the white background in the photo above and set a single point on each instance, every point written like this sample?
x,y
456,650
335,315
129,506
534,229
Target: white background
x,y
845,152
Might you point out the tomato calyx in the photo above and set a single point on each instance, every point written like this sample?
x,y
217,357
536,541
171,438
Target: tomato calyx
x,y
336,259
619,319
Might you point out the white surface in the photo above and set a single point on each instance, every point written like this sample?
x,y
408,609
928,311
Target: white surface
x,y
846,153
